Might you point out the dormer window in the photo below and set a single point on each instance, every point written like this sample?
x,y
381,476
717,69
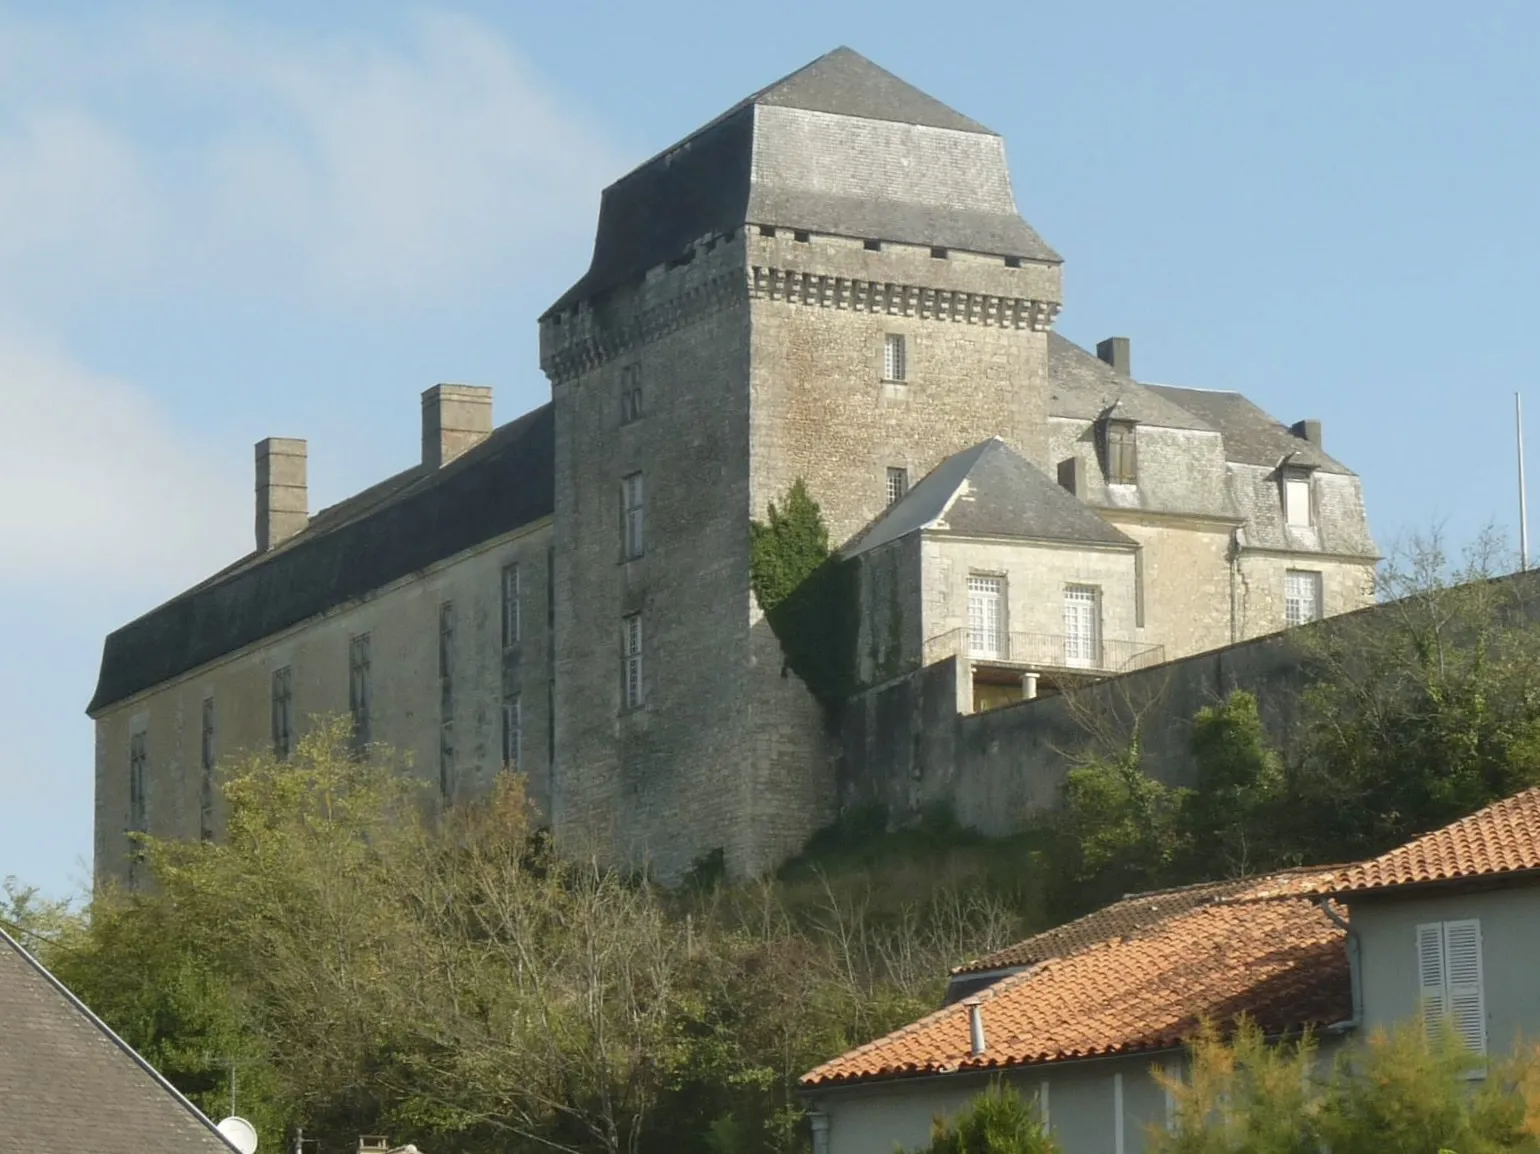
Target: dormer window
x,y
1120,451
1296,498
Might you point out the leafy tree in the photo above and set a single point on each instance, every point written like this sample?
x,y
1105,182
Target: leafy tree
x,y
997,1121
1228,817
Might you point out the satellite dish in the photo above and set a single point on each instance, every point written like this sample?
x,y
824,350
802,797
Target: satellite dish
x,y
239,1133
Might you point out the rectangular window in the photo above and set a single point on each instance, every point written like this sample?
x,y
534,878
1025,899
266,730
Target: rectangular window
x,y
359,690
1301,596
894,366
138,806
1082,627
1449,973
513,734
898,484
631,515
511,621
986,616
631,648
1296,499
446,660
630,394
283,712
1122,452
446,761
206,758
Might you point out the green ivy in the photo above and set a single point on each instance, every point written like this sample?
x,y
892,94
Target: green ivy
x,y
809,597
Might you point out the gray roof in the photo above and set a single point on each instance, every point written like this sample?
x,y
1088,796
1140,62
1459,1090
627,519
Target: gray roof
x,y
1083,386
1251,436
67,1083
382,534
898,166
989,490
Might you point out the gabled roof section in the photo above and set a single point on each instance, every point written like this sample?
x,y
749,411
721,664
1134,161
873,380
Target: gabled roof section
x,y
67,1082
1278,959
1251,436
1084,387
388,531
990,490
1502,839
845,83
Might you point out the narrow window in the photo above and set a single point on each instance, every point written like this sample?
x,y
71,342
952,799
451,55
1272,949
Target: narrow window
x,y
898,484
511,622
631,647
206,757
446,762
446,700
1296,499
767,230
1301,596
283,712
873,246
359,691
631,515
801,236
986,616
1449,972
630,394
938,252
1139,588
1120,450
138,807
1082,627
1013,262
894,367
513,734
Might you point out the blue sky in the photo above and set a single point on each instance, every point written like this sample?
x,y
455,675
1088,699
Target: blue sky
x,y
221,222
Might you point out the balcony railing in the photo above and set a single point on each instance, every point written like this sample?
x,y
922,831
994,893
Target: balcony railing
x,y
1046,651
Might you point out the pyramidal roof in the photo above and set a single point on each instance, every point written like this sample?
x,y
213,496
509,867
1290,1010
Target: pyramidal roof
x,y
990,490
840,147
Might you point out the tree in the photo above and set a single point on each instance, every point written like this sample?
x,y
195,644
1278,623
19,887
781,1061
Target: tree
x,y
1228,817
997,1121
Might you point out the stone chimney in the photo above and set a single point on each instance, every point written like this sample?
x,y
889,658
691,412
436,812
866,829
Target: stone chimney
x,y
454,418
1114,350
1307,430
283,501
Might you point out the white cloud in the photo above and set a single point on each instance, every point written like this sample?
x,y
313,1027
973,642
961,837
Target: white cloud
x,y
176,155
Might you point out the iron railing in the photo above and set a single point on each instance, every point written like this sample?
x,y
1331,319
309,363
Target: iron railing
x,y
1046,651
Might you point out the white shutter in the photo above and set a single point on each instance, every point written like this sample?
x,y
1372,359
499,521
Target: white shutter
x,y
1462,977
1430,976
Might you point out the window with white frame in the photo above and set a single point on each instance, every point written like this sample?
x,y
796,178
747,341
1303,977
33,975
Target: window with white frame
x,y
513,733
511,622
1082,626
1296,498
1449,976
359,690
631,650
1301,596
631,498
898,484
283,712
894,358
206,754
986,616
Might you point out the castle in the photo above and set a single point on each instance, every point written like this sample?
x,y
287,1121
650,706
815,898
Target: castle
x,y
828,283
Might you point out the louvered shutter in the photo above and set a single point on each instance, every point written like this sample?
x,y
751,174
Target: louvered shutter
x,y
1430,976
1462,977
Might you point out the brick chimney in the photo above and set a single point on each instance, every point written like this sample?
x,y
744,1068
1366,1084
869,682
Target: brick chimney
x,y
454,418
1114,350
283,501
1307,430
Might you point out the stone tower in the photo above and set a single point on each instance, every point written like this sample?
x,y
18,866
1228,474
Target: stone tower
x,y
830,281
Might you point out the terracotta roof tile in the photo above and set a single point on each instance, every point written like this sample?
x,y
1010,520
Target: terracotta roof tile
x,y
1278,959
1503,838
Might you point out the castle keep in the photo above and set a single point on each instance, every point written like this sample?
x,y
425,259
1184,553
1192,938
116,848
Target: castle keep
x,y
830,283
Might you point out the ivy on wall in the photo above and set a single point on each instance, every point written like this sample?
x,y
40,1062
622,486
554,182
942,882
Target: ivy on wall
x,y
809,597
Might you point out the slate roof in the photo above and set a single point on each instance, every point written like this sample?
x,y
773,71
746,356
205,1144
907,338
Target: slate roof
x,y
1251,436
1501,839
989,490
1083,386
1278,959
384,533
748,167
67,1083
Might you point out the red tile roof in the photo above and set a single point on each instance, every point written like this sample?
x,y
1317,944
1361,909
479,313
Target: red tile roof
x,y
1503,838
1278,959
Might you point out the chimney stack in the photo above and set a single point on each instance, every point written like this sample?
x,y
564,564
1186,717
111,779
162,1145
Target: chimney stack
x,y
1072,475
455,418
283,503
1308,430
1114,351
975,1027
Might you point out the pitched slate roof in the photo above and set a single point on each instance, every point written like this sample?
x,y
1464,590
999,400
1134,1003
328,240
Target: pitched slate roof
x,y
67,1083
388,531
1083,386
901,167
989,490
1501,839
1251,436
1279,960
